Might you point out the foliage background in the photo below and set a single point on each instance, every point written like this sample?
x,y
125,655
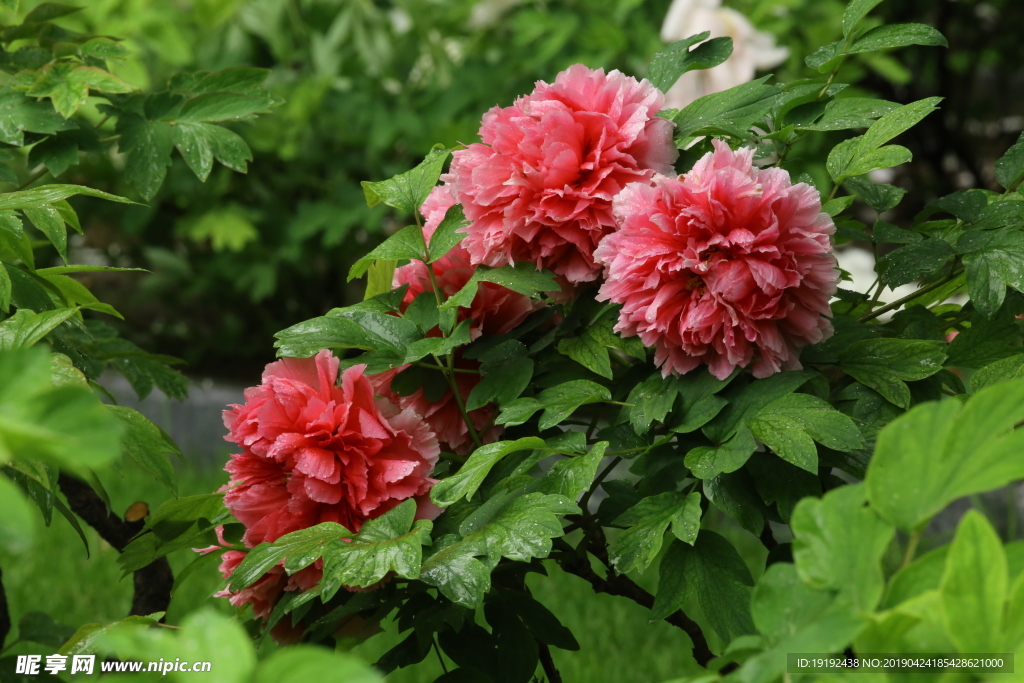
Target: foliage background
x,y
370,86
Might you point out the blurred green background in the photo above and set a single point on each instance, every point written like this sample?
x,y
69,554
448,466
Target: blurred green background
x,y
370,85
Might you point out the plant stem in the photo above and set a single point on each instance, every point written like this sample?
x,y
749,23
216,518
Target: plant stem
x,y
547,663
442,368
33,178
459,402
5,614
439,657
910,297
908,556
597,482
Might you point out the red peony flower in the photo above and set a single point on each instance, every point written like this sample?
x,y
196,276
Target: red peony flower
x,y
265,593
728,266
315,452
540,188
495,309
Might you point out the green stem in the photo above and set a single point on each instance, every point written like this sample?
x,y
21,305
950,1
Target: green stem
x,y
33,178
910,297
439,657
442,368
908,556
597,482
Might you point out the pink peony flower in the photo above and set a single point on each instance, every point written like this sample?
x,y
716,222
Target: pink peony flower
x,y
265,593
315,452
540,187
495,309
728,266
443,416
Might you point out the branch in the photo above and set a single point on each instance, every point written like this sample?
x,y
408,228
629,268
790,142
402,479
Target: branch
x,y
153,582
619,584
5,614
547,663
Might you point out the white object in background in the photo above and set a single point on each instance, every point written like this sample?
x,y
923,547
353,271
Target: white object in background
x,y
860,264
752,49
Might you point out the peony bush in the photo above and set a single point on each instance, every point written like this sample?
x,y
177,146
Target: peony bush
x,y
614,341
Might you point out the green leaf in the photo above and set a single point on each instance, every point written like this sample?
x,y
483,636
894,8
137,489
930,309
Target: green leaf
x,y
204,636
17,519
735,494
467,480
19,114
407,243
883,157
147,445
49,222
992,260
49,194
572,476
745,402
850,112
712,572
676,59
562,400
447,234
392,542
304,663
39,627
1001,371
706,462
103,48
55,82
25,328
1010,167
895,122
731,111
897,35
224,106
911,261
380,275
839,543
176,516
195,145
369,330
855,12
974,586
407,191
652,401
878,197
299,549
948,451
98,79
885,364
454,570
789,424
65,425
520,530
147,146
686,525
523,278
588,352
5,289
646,523
506,371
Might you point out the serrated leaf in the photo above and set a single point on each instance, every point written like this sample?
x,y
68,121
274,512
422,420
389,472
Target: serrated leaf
x,y
194,144
98,79
457,573
522,529
572,476
392,542
713,572
54,81
992,260
19,114
407,191
467,480
302,547
646,523
676,59
360,329
885,364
